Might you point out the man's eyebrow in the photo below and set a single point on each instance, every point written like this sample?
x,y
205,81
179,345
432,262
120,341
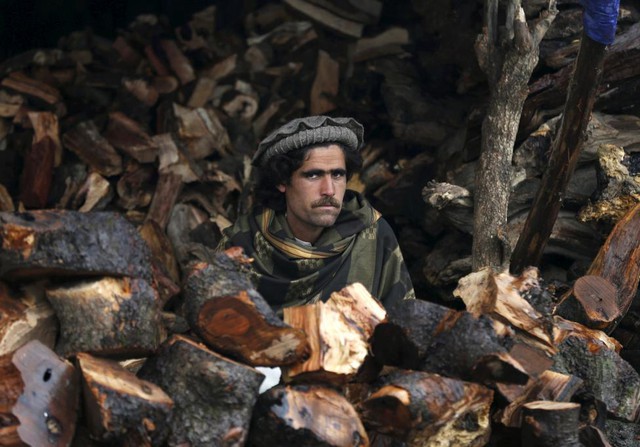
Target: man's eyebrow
x,y
323,172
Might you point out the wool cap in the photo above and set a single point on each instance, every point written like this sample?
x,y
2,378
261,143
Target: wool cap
x,y
310,131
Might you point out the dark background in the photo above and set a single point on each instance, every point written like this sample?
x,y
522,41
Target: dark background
x,y
29,24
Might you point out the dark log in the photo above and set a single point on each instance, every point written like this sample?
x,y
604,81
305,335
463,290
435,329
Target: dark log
x,y
550,424
119,405
142,90
174,160
42,396
135,185
22,83
593,357
455,413
25,316
594,437
46,242
592,302
325,85
389,42
622,434
222,306
129,136
327,18
549,386
91,147
201,131
168,188
213,396
305,415
338,331
179,63
108,316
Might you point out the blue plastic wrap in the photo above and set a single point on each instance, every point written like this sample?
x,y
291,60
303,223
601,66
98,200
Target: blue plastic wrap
x,y
600,19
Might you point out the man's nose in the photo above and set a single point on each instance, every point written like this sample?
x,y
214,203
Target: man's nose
x,y
327,186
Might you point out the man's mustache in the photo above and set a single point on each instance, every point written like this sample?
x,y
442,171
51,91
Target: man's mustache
x,y
326,201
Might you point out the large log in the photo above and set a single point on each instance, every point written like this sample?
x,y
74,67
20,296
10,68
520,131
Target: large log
x,y
118,405
39,399
338,331
107,316
213,396
305,415
46,242
224,309
427,409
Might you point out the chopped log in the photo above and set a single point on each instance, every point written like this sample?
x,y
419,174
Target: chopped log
x,y
119,405
223,308
158,65
178,61
168,188
92,148
201,131
128,55
338,331
172,159
161,248
455,412
202,92
183,219
550,424
165,84
618,261
135,185
129,136
592,302
40,160
213,396
40,394
501,296
94,194
46,242
549,386
22,83
117,317
305,415
142,90
325,85
387,43
425,336
25,316
592,356
326,18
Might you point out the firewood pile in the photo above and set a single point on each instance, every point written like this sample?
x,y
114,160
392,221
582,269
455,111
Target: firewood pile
x,y
121,160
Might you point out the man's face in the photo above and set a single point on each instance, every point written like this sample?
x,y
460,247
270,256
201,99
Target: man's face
x,y
314,195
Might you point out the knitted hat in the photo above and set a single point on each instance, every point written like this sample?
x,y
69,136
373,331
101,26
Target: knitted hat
x,y
310,131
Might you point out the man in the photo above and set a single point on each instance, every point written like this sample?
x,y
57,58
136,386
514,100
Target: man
x,y
310,236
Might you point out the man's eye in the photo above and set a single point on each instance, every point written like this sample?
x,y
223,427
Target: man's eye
x,y
338,174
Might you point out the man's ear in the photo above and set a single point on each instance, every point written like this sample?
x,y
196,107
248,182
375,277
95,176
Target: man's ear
x,y
282,188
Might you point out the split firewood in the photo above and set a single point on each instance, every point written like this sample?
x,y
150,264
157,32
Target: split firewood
x,y
338,331
592,301
201,131
119,405
593,357
184,218
91,147
154,60
305,415
45,242
325,85
387,43
22,83
501,296
142,90
128,55
39,399
549,386
550,424
161,248
455,413
93,195
425,336
134,186
179,63
117,317
168,188
213,396
165,84
202,92
24,316
172,159
224,309
128,136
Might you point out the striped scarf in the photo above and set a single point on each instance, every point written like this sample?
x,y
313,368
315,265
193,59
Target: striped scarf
x,y
359,247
